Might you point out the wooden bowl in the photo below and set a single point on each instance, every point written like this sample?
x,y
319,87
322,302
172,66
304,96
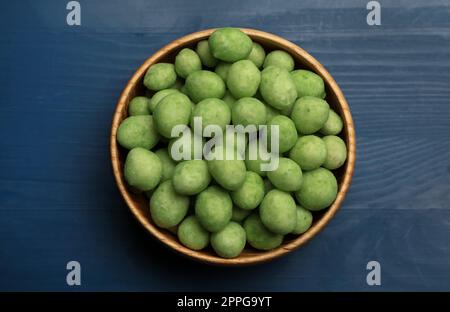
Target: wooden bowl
x,y
138,204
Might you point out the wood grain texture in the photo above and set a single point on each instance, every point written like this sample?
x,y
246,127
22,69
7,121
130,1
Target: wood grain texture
x,y
138,203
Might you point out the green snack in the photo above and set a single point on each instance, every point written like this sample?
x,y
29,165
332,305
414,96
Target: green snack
x,y
138,106
230,241
278,212
251,192
239,214
160,76
230,44
257,55
308,83
143,169
287,133
229,173
310,114
272,112
255,164
243,79
319,189
191,177
309,152
249,111
157,97
279,59
168,165
277,87
173,110
213,112
258,236
188,141
204,84
138,131
168,208
213,208
336,152
205,55
187,62
229,99
333,125
287,177
304,220
192,234
222,70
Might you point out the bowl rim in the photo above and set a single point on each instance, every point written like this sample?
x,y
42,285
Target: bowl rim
x,y
258,256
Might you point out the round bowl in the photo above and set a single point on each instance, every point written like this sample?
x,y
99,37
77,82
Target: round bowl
x,y
139,204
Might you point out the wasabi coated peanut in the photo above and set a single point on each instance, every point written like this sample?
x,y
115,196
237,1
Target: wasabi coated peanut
x,y
213,112
229,173
279,59
258,236
304,220
167,207
187,62
249,111
251,192
239,214
157,97
143,169
257,55
160,76
277,87
309,152
168,165
308,83
336,152
138,131
138,106
243,79
229,99
191,177
287,177
222,70
278,212
310,114
318,191
192,234
205,55
213,208
287,133
230,44
333,125
230,241
204,84
173,110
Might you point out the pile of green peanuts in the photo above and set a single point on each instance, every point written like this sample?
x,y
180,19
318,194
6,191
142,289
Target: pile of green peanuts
x,y
231,203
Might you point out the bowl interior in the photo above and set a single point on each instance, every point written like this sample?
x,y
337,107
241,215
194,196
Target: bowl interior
x,y
138,203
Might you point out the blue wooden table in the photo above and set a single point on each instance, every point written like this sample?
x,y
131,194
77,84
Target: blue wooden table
x,y
58,89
